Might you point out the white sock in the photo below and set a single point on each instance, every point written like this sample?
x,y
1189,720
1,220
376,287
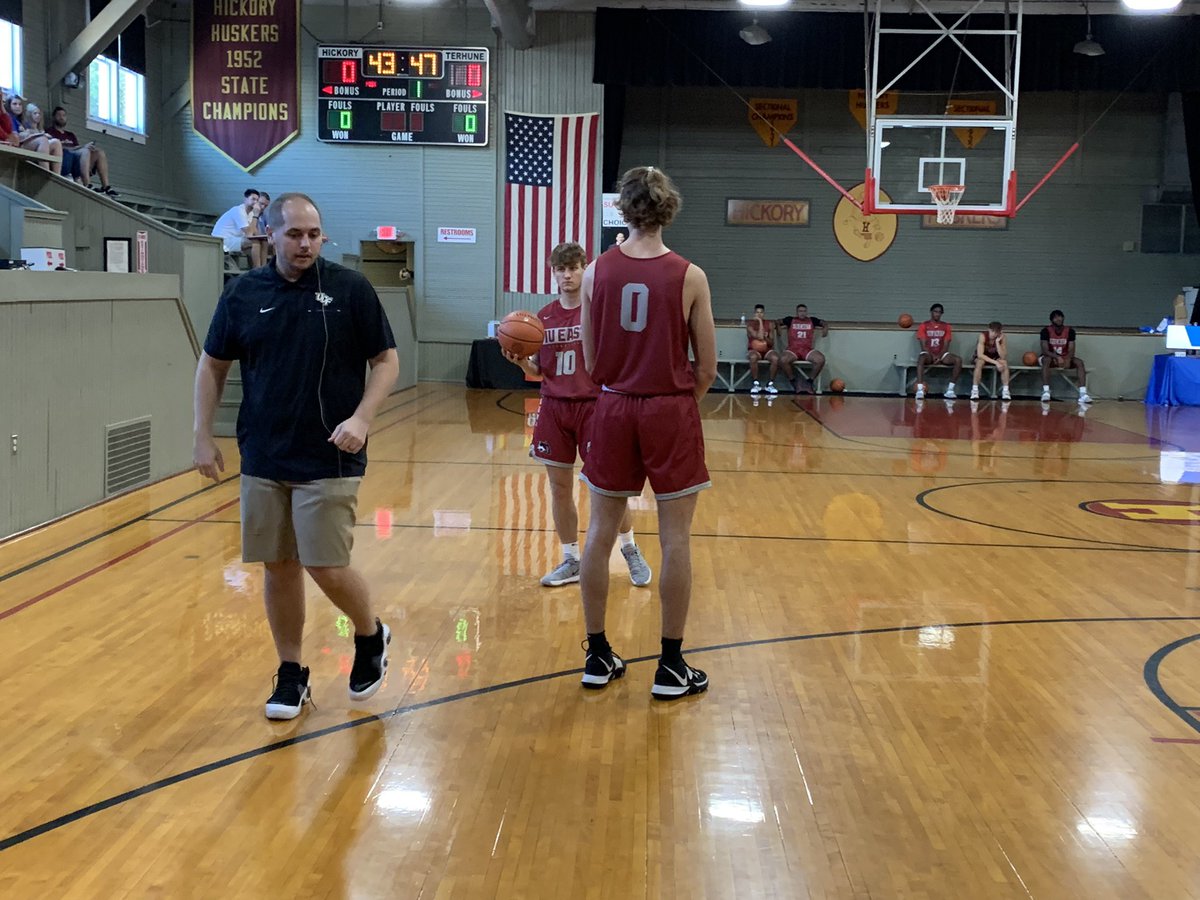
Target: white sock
x,y
571,551
626,538
1045,387
1083,392
950,387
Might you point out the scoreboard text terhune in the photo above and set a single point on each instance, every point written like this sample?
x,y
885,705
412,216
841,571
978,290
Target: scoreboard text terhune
x,y
403,95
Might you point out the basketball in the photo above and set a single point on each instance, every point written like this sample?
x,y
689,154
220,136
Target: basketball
x,y
759,346
905,320
1030,358
521,333
837,385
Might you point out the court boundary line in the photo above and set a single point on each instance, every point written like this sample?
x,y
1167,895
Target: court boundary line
x,y
232,760
497,529
1150,674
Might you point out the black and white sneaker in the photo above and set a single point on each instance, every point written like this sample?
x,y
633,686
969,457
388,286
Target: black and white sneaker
x,y
290,694
598,670
370,662
672,681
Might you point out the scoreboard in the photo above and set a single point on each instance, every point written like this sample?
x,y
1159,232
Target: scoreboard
x,y
403,95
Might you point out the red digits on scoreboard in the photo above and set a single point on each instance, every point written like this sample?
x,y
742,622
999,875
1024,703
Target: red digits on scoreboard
x,y
349,71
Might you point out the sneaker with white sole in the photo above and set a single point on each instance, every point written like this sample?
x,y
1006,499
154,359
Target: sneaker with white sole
x,y
975,393
1084,397
370,662
950,395
756,388
566,573
920,392
290,694
639,569
771,389
671,682
599,670
1005,395
1045,395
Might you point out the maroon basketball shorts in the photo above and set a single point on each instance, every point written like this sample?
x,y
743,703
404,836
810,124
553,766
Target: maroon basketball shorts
x,y
562,429
639,438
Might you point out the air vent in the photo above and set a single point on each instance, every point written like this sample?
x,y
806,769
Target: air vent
x,y
126,455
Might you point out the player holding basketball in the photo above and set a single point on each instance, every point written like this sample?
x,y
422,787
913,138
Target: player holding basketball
x,y
759,331
801,332
1058,352
568,401
991,349
934,337
642,303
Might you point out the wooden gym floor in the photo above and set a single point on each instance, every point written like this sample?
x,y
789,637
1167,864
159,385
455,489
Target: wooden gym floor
x,y
954,653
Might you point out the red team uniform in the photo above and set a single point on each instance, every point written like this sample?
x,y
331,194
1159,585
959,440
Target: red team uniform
x,y
991,347
800,335
568,392
647,423
768,329
1059,339
935,336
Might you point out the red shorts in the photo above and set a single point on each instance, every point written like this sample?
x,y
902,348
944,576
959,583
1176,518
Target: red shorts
x,y
635,438
801,353
562,428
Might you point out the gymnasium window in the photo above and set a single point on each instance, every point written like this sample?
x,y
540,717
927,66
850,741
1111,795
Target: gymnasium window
x,y
116,96
10,57
117,81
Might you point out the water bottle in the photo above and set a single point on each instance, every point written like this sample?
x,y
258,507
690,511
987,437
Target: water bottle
x,y
743,321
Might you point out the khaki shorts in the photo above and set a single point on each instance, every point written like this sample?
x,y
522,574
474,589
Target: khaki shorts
x,y
312,521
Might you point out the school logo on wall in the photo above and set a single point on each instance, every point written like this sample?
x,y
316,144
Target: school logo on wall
x,y
246,76
1156,512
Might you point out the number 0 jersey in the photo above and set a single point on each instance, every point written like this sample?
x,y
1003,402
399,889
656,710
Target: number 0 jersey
x,y
564,375
637,321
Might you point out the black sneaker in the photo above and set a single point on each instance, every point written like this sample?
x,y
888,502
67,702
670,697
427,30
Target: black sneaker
x,y
599,670
370,662
672,682
290,694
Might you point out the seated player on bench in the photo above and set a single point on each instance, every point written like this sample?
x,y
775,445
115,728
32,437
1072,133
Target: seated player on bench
x,y
934,337
760,345
991,349
1058,352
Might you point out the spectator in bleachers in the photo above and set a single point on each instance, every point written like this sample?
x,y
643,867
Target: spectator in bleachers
x,y
238,223
264,201
32,138
84,160
7,135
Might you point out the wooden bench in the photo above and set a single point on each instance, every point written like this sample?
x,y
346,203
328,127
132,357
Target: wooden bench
x,y
735,378
990,384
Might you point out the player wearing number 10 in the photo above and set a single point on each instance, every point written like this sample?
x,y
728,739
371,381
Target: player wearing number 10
x,y
642,304
565,415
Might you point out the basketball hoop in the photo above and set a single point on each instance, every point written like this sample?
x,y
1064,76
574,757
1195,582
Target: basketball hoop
x,y
946,196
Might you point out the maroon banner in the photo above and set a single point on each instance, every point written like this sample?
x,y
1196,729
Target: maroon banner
x,y
246,76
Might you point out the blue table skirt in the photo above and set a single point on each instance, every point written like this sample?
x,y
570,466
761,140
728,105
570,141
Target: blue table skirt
x,y
1174,381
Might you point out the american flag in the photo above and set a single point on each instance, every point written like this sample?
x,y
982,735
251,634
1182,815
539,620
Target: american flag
x,y
550,193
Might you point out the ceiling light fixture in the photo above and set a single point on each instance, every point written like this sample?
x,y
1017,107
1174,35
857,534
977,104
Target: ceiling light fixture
x,y
1088,47
774,3
754,34
1151,5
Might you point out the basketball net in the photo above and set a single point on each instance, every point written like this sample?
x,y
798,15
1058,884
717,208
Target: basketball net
x,y
946,196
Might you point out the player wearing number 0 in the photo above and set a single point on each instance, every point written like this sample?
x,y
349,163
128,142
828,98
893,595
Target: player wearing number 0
x,y
642,304
568,400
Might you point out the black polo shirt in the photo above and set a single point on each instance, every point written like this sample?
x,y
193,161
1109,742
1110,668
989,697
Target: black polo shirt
x,y
280,332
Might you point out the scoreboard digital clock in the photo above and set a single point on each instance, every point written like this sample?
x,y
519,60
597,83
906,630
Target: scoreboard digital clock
x,y
403,95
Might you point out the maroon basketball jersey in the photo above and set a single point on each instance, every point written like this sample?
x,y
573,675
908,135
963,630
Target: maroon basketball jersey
x,y
1058,338
800,335
990,347
637,320
564,376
